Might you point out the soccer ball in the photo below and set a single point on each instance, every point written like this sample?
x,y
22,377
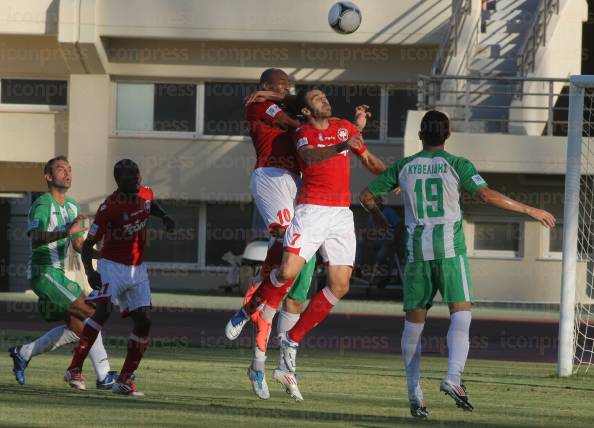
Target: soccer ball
x,y
344,17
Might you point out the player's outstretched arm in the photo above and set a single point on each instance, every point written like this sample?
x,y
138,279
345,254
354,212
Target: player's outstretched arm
x,y
87,259
368,159
312,155
362,113
369,204
499,200
159,212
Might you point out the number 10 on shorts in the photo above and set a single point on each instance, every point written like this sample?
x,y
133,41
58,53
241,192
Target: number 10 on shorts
x,y
284,216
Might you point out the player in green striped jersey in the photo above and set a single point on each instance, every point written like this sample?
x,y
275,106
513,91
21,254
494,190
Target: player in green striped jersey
x,y
432,183
55,223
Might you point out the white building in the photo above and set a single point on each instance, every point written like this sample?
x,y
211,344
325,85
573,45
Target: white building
x,y
162,82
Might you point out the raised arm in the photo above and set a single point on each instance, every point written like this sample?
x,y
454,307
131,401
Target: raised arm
x,y
311,155
362,113
499,200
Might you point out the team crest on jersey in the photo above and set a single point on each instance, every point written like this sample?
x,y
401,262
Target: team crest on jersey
x,y
321,137
342,135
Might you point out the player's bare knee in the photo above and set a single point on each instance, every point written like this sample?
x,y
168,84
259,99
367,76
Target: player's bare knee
x,y
459,306
293,306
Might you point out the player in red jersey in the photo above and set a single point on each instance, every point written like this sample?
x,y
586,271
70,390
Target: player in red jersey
x,y
122,276
322,221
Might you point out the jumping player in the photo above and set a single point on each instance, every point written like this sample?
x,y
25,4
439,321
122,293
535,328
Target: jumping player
x,y
274,185
55,223
121,275
322,221
432,182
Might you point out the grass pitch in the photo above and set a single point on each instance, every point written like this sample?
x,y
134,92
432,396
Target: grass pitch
x,y
197,387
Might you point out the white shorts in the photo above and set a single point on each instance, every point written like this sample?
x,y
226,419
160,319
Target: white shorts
x,y
329,229
274,191
126,286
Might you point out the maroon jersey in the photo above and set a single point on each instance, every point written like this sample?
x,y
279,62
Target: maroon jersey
x,y
326,182
121,223
274,146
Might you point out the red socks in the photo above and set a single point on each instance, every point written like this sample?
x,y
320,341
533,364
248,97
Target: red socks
x,y
319,307
136,347
87,338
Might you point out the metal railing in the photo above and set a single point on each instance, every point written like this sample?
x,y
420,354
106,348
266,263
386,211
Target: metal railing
x,y
536,106
449,46
537,35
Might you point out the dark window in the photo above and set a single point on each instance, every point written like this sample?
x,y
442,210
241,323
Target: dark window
x,y
344,99
224,109
400,101
228,228
497,236
35,92
180,246
175,107
556,238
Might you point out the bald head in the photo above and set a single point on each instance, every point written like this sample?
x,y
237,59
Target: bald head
x,y
276,80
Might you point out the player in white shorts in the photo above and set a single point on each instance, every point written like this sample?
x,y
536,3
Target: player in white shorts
x,y
322,221
122,276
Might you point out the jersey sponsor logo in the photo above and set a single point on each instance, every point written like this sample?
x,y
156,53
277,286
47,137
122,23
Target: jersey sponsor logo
x,y
342,134
478,180
273,110
93,229
133,228
302,142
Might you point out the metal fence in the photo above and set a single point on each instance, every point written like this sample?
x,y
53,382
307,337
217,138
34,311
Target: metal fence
x,y
532,106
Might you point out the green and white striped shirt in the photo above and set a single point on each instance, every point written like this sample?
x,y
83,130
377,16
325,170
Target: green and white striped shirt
x,y
48,215
431,184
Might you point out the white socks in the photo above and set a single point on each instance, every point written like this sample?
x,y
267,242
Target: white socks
x,y
411,355
51,340
98,357
458,345
285,322
60,336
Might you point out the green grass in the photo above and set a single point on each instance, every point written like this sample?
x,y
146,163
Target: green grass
x,y
191,387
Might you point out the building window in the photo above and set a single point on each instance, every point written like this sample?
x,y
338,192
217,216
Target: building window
x,y
179,246
175,107
228,228
400,101
147,107
34,92
496,238
224,107
344,99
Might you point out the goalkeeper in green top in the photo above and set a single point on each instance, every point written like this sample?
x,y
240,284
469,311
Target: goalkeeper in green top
x,y
431,183
55,223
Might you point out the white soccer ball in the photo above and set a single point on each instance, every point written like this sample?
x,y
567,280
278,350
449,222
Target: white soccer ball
x,y
344,17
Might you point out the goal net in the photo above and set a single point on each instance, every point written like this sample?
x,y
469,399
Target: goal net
x,y
576,326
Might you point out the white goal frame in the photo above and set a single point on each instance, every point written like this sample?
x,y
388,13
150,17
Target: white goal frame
x,y
571,223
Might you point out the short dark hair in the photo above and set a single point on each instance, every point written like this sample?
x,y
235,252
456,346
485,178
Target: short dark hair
x,y
266,76
48,169
122,165
435,128
301,99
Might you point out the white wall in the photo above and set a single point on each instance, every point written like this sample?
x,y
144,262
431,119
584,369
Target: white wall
x,y
384,21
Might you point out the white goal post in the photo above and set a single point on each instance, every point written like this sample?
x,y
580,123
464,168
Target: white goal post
x,y
576,324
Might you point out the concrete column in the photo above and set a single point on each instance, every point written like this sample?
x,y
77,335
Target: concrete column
x,y
89,105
